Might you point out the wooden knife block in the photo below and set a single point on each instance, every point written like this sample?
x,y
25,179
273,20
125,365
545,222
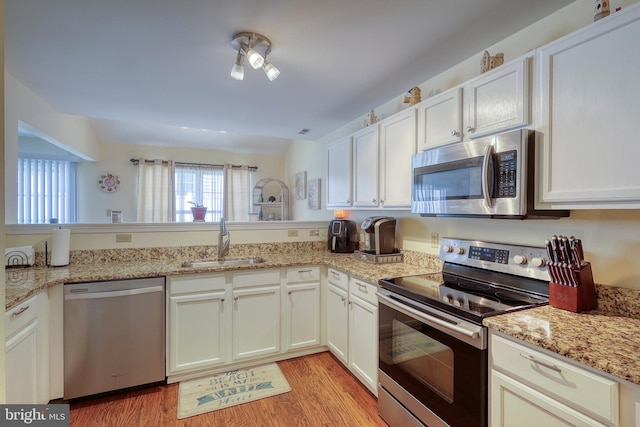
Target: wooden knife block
x,y
575,298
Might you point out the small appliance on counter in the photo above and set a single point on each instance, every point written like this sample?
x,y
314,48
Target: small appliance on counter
x,y
380,240
342,236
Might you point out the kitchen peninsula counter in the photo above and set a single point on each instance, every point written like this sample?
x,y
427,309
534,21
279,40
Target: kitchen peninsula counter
x,y
604,339
103,265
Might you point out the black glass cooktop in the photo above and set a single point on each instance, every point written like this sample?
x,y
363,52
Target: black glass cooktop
x,y
467,297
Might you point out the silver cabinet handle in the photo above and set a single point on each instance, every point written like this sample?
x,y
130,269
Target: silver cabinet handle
x,y
373,200
348,201
235,298
343,299
470,129
304,271
382,202
540,362
455,133
19,312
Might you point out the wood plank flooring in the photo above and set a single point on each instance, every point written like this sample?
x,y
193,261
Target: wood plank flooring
x,y
323,393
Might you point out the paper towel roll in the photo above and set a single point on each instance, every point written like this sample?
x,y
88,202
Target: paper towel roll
x,y
60,239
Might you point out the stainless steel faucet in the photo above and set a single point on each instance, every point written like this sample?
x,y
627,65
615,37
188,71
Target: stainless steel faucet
x,y
223,245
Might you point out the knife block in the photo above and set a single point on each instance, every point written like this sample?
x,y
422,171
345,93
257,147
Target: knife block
x,y
575,298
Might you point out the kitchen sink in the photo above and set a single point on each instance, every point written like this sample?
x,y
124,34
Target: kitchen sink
x,y
223,262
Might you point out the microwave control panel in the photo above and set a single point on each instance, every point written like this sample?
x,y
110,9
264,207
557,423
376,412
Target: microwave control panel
x,y
507,165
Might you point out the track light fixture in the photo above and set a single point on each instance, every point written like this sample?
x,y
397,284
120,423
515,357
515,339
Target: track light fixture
x,y
255,47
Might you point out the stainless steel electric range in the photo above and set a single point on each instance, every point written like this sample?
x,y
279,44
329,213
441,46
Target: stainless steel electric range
x,y
433,357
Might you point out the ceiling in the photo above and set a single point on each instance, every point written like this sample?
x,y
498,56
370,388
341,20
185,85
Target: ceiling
x,y
156,72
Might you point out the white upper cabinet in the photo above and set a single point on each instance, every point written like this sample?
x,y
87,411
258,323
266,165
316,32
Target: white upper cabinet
x,y
440,119
339,174
588,93
493,102
497,100
365,167
397,145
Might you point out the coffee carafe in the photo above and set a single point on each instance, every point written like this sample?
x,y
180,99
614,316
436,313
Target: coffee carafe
x,y
342,236
381,234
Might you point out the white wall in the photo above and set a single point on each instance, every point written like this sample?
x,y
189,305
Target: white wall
x,y
115,158
73,133
611,237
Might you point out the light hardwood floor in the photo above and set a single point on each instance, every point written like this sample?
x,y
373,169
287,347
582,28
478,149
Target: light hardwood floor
x,y
323,393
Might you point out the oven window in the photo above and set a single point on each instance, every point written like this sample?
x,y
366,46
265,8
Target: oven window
x,y
443,373
451,181
424,358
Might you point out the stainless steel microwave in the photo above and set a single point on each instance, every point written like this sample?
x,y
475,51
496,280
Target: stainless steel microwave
x,y
490,177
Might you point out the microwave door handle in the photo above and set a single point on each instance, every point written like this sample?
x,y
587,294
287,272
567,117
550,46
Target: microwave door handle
x,y
488,153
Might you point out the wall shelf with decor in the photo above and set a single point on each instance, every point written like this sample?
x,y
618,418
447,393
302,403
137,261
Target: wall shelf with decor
x,y
271,197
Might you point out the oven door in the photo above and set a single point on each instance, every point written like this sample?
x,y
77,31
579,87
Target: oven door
x,y
432,363
485,177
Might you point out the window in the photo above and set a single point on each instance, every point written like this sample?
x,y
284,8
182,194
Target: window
x,y
47,189
202,184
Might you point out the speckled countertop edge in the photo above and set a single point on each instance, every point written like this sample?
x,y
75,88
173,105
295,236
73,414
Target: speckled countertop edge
x,y
604,339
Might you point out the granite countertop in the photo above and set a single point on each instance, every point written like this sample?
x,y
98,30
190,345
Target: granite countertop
x,y
24,282
604,339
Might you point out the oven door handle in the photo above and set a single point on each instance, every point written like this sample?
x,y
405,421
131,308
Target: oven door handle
x,y
488,152
427,318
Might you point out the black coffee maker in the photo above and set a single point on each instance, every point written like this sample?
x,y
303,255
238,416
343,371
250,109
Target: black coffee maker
x,y
342,236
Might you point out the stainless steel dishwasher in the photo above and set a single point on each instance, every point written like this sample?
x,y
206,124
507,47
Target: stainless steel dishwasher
x,y
114,335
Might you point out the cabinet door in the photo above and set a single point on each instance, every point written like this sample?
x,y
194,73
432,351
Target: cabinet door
x,y
498,100
302,308
27,351
440,119
397,145
198,326
365,167
256,321
588,97
339,164
515,404
363,342
337,322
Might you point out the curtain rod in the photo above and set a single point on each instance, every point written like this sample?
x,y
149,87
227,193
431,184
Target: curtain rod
x,y
135,162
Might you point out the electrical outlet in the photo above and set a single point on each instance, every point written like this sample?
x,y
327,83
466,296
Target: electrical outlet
x,y
435,239
123,238
314,232
292,233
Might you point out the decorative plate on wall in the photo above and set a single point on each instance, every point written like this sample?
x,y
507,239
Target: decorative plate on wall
x,y
108,182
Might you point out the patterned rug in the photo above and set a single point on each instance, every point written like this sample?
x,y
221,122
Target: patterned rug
x,y
229,389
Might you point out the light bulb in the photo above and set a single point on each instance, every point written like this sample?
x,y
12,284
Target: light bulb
x,y
255,59
271,70
237,72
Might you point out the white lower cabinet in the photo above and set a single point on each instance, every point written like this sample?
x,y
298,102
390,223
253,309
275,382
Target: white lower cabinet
x,y
301,306
198,322
533,388
352,326
221,320
256,321
337,321
27,351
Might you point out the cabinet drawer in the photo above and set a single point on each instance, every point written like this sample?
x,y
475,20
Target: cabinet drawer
x,y
577,387
338,278
303,274
20,315
195,283
363,290
256,277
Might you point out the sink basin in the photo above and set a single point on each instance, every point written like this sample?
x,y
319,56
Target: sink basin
x,y
223,262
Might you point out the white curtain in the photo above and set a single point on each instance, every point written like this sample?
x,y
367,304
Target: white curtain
x,y
237,192
155,190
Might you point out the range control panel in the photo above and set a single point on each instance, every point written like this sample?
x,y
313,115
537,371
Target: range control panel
x,y
526,261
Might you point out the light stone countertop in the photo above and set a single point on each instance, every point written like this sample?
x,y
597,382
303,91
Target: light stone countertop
x,y
606,339
21,283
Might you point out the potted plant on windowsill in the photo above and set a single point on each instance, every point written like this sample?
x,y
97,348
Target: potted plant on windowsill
x,y
198,211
